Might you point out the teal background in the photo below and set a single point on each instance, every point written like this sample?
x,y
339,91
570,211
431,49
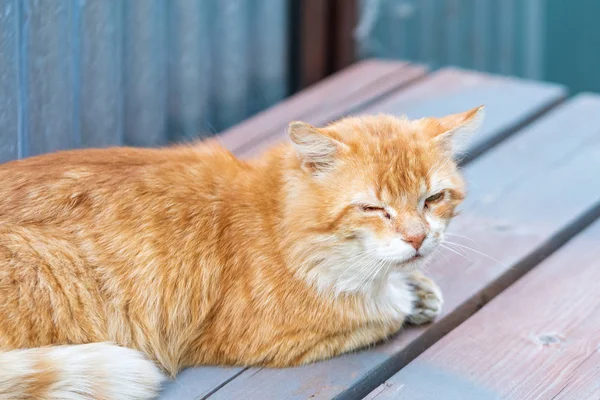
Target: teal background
x,y
554,40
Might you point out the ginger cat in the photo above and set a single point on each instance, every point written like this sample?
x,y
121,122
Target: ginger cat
x,y
117,265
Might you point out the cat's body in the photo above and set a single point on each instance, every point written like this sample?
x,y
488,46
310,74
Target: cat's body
x,y
194,257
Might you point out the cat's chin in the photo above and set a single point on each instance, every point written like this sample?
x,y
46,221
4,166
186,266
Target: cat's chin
x,y
411,264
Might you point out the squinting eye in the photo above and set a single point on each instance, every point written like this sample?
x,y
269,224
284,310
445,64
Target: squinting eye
x,y
435,198
371,209
366,208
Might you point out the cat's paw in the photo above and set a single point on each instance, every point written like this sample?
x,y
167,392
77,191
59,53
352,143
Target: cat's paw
x,y
428,299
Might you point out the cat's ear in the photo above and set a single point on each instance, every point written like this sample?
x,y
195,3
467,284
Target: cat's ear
x,y
456,130
316,150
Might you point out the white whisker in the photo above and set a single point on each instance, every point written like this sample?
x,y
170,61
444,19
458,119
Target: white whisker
x,y
442,254
460,250
460,236
478,252
454,251
371,272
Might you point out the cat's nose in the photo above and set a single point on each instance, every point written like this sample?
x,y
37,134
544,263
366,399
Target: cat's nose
x,y
415,240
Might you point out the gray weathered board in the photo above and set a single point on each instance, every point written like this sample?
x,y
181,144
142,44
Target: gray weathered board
x,y
503,223
355,375
510,104
539,338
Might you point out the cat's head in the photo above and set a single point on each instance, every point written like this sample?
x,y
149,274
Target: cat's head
x,y
377,191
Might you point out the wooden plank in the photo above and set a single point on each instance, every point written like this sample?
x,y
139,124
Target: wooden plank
x,y
100,35
145,66
352,87
198,383
48,75
9,81
585,384
510,103
516,213
189,68
538,339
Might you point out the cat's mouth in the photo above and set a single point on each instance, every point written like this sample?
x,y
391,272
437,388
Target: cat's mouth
x,y
409,263
400,257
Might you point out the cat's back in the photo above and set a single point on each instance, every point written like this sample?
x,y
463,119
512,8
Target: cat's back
x,y
109,160
55,183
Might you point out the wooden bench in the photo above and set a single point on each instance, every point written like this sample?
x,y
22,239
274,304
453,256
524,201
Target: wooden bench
x,y
533,187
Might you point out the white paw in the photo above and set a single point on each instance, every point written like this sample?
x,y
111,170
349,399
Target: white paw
x,y
428,299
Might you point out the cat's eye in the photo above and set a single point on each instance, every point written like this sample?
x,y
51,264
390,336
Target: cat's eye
x,y
435,198
373,209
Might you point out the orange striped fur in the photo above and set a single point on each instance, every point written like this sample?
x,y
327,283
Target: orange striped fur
x,y
186,255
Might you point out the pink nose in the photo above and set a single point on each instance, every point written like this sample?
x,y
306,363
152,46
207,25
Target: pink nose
x,y
415,241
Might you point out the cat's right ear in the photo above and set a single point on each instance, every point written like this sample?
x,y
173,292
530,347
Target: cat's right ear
x,y
455,130
316,150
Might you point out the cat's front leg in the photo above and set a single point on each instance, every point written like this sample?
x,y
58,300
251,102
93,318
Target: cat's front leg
x,y
428,299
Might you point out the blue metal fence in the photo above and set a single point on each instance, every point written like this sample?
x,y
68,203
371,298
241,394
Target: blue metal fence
x,y
555,40
500,36
80,73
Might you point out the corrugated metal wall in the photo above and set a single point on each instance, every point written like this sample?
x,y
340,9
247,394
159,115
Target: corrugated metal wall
x,y
500,36
554,40
80,73
572,51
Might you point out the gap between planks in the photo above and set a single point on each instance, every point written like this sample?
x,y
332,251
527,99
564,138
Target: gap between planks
x,y
219,386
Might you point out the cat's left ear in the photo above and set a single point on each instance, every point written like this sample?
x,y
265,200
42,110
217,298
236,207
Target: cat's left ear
x,y
316,149
456,130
